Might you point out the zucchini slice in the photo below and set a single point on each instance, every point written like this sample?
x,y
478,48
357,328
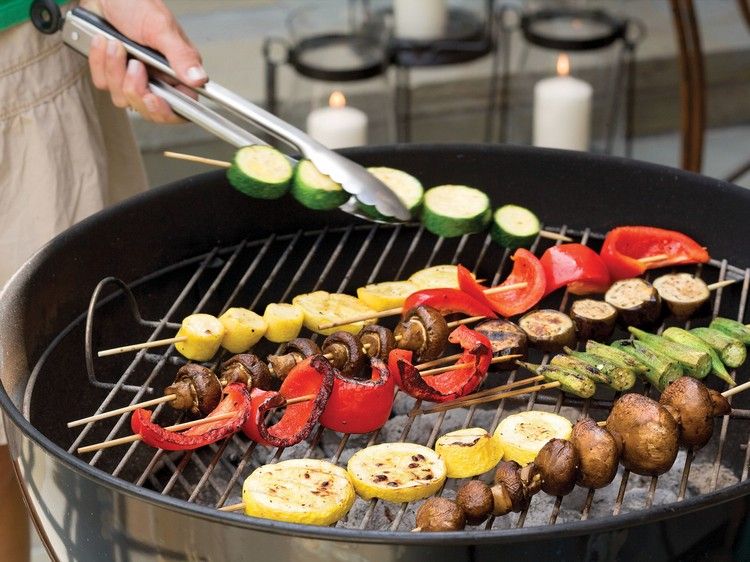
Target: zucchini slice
x,y
548,330
636,300
506,339
514,227
406,187
683,293
455,210
260,171
594,320
316,190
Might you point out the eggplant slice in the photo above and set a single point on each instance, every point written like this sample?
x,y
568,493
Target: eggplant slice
x,y
636,300
594,320
548,330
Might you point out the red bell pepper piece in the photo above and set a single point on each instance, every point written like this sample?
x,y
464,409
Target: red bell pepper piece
x,y
360,406
394,356
236,400
313,376
625,245
449,300
526,269
461,381
575,266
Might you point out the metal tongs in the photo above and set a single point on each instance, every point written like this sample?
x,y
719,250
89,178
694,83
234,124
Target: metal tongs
x,y
79,26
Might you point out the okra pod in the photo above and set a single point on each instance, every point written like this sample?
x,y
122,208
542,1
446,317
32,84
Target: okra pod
x,y
570,381
695,363
661,369
678,335
732,351
580,367
620,378
732,328
616,356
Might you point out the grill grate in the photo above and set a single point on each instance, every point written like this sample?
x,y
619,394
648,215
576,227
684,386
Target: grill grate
x,y
256,272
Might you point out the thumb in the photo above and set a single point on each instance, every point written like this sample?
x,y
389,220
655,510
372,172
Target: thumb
x,y
182,57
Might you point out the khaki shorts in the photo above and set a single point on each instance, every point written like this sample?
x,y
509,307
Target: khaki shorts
x,y
65,150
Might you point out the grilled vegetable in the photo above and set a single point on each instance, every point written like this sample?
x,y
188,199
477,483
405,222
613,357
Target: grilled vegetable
x,y
406,187
260,171
423,331
684,337
636,300
436,277
396,472
440,514
389,294
522,435
306,491
695,363
593,319
284,321
509,492
661,369
691,406
514,227
247,369
558,463
616,356
576,267
448,301
242,329
291,353
195,389
732,328
468,452
570,381
455,210
648,434
548,330
346,354
378,340
475,500
598,454
620,378
732,351
581,367
322,308
683,293
505,337
204,334
316,190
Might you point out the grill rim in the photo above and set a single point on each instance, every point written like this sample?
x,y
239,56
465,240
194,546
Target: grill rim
x,y
9,297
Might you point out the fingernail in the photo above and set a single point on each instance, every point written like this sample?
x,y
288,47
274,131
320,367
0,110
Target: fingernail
x,y
196,73
111,48
97,41
149,100
132,67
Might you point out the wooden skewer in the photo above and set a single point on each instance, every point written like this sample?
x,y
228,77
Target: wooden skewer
x,y
142,345
471,401
602,423
736,390
549,235
137,437
720,284
508,386
123,410
652,259
199,159
234,507
445,369
297,400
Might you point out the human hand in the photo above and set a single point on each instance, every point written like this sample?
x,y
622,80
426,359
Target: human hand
x,y
150,23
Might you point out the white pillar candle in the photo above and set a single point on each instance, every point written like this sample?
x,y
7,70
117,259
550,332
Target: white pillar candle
x,y
338,125
562,110
420,20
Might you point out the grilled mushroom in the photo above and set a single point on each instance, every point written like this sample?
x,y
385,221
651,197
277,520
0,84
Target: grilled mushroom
x,y
291,353
378,340
648,433
722,407
508,473
440,514
423,331
196,389
345,352
476,500
558,466
248,369
598,454
693,408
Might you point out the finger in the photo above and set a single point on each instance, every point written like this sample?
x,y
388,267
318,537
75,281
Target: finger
x,y
97,58
182,56
134,86
160,111
115,72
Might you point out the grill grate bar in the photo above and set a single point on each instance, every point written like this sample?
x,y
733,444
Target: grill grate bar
x,y
206,472
275,271
249,271
386,252
410,252
685,474
333,258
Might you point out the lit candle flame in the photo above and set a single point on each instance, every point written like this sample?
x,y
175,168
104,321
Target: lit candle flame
x,y
337,99
563,65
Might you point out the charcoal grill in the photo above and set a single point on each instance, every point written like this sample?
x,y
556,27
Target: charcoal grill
x,y
198,245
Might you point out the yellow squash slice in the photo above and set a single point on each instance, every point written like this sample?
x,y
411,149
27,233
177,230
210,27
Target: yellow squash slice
x,y
284,321
468,452
521,436
323,308
389,294
307,491
242,329
204,334
396,472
